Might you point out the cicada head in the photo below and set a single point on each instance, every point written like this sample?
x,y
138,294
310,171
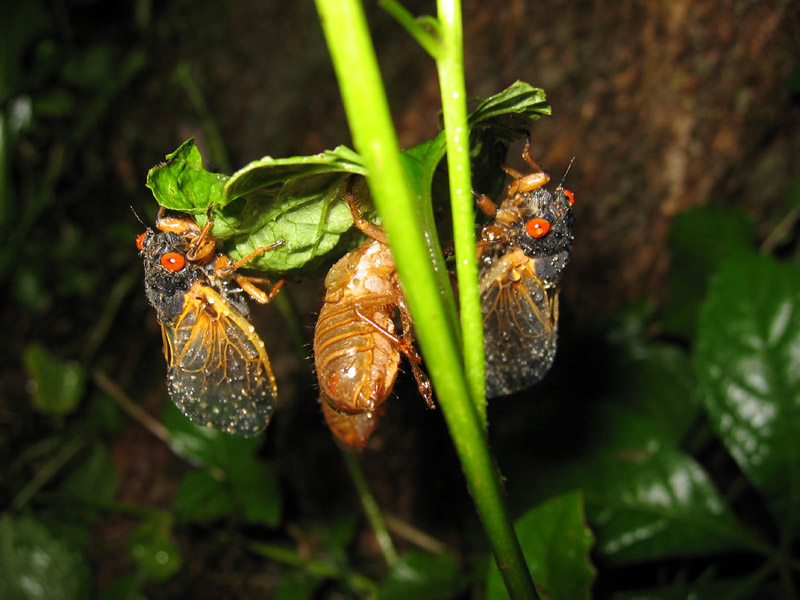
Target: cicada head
x,y
544,223
168,275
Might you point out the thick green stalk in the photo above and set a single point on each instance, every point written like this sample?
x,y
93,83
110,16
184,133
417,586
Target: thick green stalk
x,y
365,103
450,65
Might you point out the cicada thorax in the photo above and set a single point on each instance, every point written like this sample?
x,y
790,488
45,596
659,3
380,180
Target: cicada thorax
x,y
356,353
219,373
524,251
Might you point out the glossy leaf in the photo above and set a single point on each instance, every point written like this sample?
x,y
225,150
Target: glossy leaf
x,y
645,498
422,576
556,543
659,380
35,564
695,256
57,385
653,502
748,358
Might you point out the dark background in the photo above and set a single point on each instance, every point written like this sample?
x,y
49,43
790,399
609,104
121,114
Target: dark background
x,y
664,105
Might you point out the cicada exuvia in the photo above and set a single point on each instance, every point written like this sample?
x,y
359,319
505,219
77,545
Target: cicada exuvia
x,y
524,250
219,374
356,344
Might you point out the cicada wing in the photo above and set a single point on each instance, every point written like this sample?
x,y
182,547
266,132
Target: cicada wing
x,y
520,331
219,375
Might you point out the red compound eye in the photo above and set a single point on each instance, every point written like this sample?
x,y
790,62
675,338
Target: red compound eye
x,y
570,196
173,261
140,240
537,227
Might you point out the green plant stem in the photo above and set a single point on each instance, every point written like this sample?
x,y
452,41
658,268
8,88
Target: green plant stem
x,y
317,568
424,38
113,302
371,508
216,146
345,28
49,470
450,65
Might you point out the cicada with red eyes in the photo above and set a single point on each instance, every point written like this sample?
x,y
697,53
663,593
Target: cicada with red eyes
x,y
524,250
219,374
356,346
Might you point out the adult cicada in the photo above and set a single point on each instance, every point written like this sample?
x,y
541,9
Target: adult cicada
x,y
219,374
524,250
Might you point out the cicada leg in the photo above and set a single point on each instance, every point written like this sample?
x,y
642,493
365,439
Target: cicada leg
x,y
367,228
423,382
224,268
526,183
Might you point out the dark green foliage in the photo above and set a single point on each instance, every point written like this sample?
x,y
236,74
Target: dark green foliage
x,y
674,459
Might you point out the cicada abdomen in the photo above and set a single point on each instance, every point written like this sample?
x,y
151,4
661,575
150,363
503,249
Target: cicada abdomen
x,y
357,345
355,348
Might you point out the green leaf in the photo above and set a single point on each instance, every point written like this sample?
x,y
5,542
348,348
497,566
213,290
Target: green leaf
x,y
655,502
297,585
300,199
154,550
181,183
126,587
556,543
645,498
660,381
422,576
494,124
256,492
748,359
35,564
705,588
509,113
308,213
96,479
267,175
252,483
57,385
696,254
201,497
205,446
